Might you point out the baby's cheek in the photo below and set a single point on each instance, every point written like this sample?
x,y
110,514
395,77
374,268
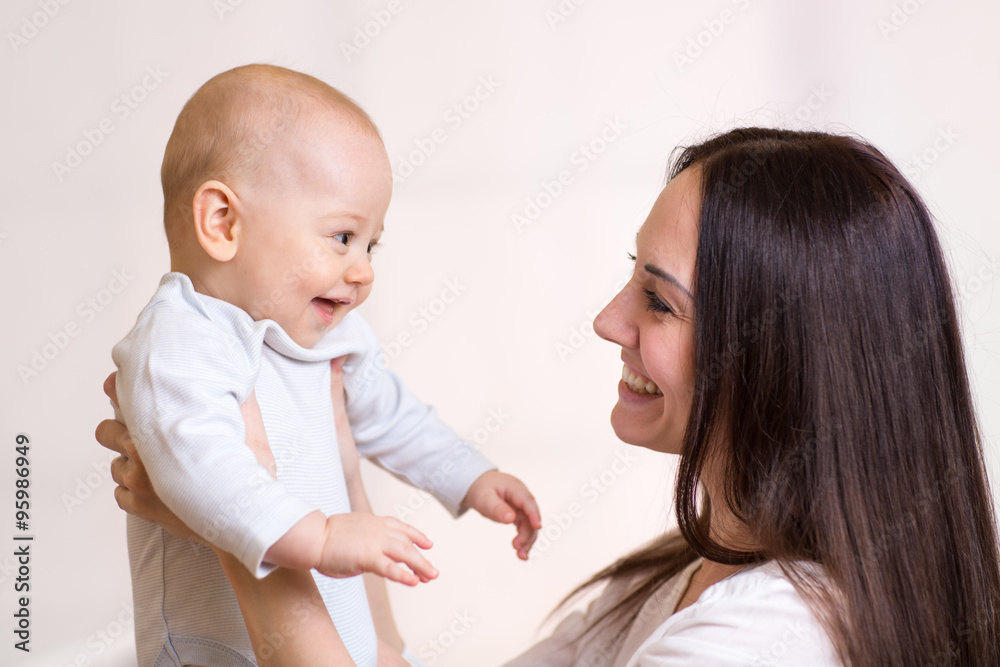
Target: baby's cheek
x,y
363,293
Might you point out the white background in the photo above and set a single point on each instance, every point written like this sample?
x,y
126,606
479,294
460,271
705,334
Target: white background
x,y
919,80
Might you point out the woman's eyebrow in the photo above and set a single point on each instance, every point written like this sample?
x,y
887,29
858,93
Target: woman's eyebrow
x,y
663,275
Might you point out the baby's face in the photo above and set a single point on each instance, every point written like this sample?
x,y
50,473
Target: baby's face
x,y
312,218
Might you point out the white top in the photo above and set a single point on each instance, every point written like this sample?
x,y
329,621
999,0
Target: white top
x,y
753,618
183,372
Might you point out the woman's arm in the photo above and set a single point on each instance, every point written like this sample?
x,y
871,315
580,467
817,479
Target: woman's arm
x,y
286,618
375,587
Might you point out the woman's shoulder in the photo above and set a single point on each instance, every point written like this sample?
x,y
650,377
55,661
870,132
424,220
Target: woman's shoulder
x,y
755,617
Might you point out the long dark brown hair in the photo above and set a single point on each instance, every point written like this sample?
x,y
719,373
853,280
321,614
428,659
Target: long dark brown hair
x,y
829,362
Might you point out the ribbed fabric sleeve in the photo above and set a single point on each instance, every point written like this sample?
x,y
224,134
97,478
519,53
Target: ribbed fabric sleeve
x,y
384,413
183,372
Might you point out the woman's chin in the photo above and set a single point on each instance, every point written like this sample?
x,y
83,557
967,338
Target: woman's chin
x,y
642,427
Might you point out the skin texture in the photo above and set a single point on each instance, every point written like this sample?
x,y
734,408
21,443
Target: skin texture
x,y
652,320
292,242
658,344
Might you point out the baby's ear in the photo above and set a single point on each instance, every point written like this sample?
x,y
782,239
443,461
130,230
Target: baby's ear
x,y
215,220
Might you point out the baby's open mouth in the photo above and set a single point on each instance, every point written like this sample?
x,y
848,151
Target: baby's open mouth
x,y
324,305
639,384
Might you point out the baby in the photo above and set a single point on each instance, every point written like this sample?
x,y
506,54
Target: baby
x,y
276,186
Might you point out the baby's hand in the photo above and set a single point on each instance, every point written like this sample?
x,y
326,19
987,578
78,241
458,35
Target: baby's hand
x,y
360,542
506,499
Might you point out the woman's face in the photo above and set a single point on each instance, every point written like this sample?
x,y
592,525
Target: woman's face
x,y
652,319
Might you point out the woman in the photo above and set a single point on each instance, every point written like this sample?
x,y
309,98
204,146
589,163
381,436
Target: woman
x,y
789,330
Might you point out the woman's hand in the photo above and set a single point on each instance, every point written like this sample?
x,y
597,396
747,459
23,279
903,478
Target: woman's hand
x,y
134,492
267,604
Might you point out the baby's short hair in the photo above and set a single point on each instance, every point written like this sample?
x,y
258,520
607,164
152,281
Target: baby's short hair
x,y
227,124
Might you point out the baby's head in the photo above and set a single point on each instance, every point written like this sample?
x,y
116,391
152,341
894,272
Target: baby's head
x,y
275,188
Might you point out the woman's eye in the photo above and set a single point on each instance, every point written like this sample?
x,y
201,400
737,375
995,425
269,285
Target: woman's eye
x,y
654,304
342,237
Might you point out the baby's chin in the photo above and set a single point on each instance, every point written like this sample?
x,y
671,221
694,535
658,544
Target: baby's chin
x,y
312,338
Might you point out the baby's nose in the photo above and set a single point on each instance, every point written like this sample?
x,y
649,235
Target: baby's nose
x,y
361,272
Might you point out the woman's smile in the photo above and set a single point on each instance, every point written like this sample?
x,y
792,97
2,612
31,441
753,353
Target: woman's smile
x,y
637,383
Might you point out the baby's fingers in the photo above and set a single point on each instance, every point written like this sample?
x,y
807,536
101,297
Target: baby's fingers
x,y
412,558
494,507
397,572
526,535
416,536
522,500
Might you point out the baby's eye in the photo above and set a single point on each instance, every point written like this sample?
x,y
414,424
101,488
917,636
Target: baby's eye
x,y
372,247
342,237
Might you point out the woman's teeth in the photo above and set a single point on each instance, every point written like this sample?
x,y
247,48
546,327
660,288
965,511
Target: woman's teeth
x,y
639,384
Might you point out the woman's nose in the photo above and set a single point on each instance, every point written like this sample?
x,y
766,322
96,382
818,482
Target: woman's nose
x,y
615,323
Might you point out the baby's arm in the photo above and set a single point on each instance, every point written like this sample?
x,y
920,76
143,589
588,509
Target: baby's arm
x,y
345,545
181,381
404,436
